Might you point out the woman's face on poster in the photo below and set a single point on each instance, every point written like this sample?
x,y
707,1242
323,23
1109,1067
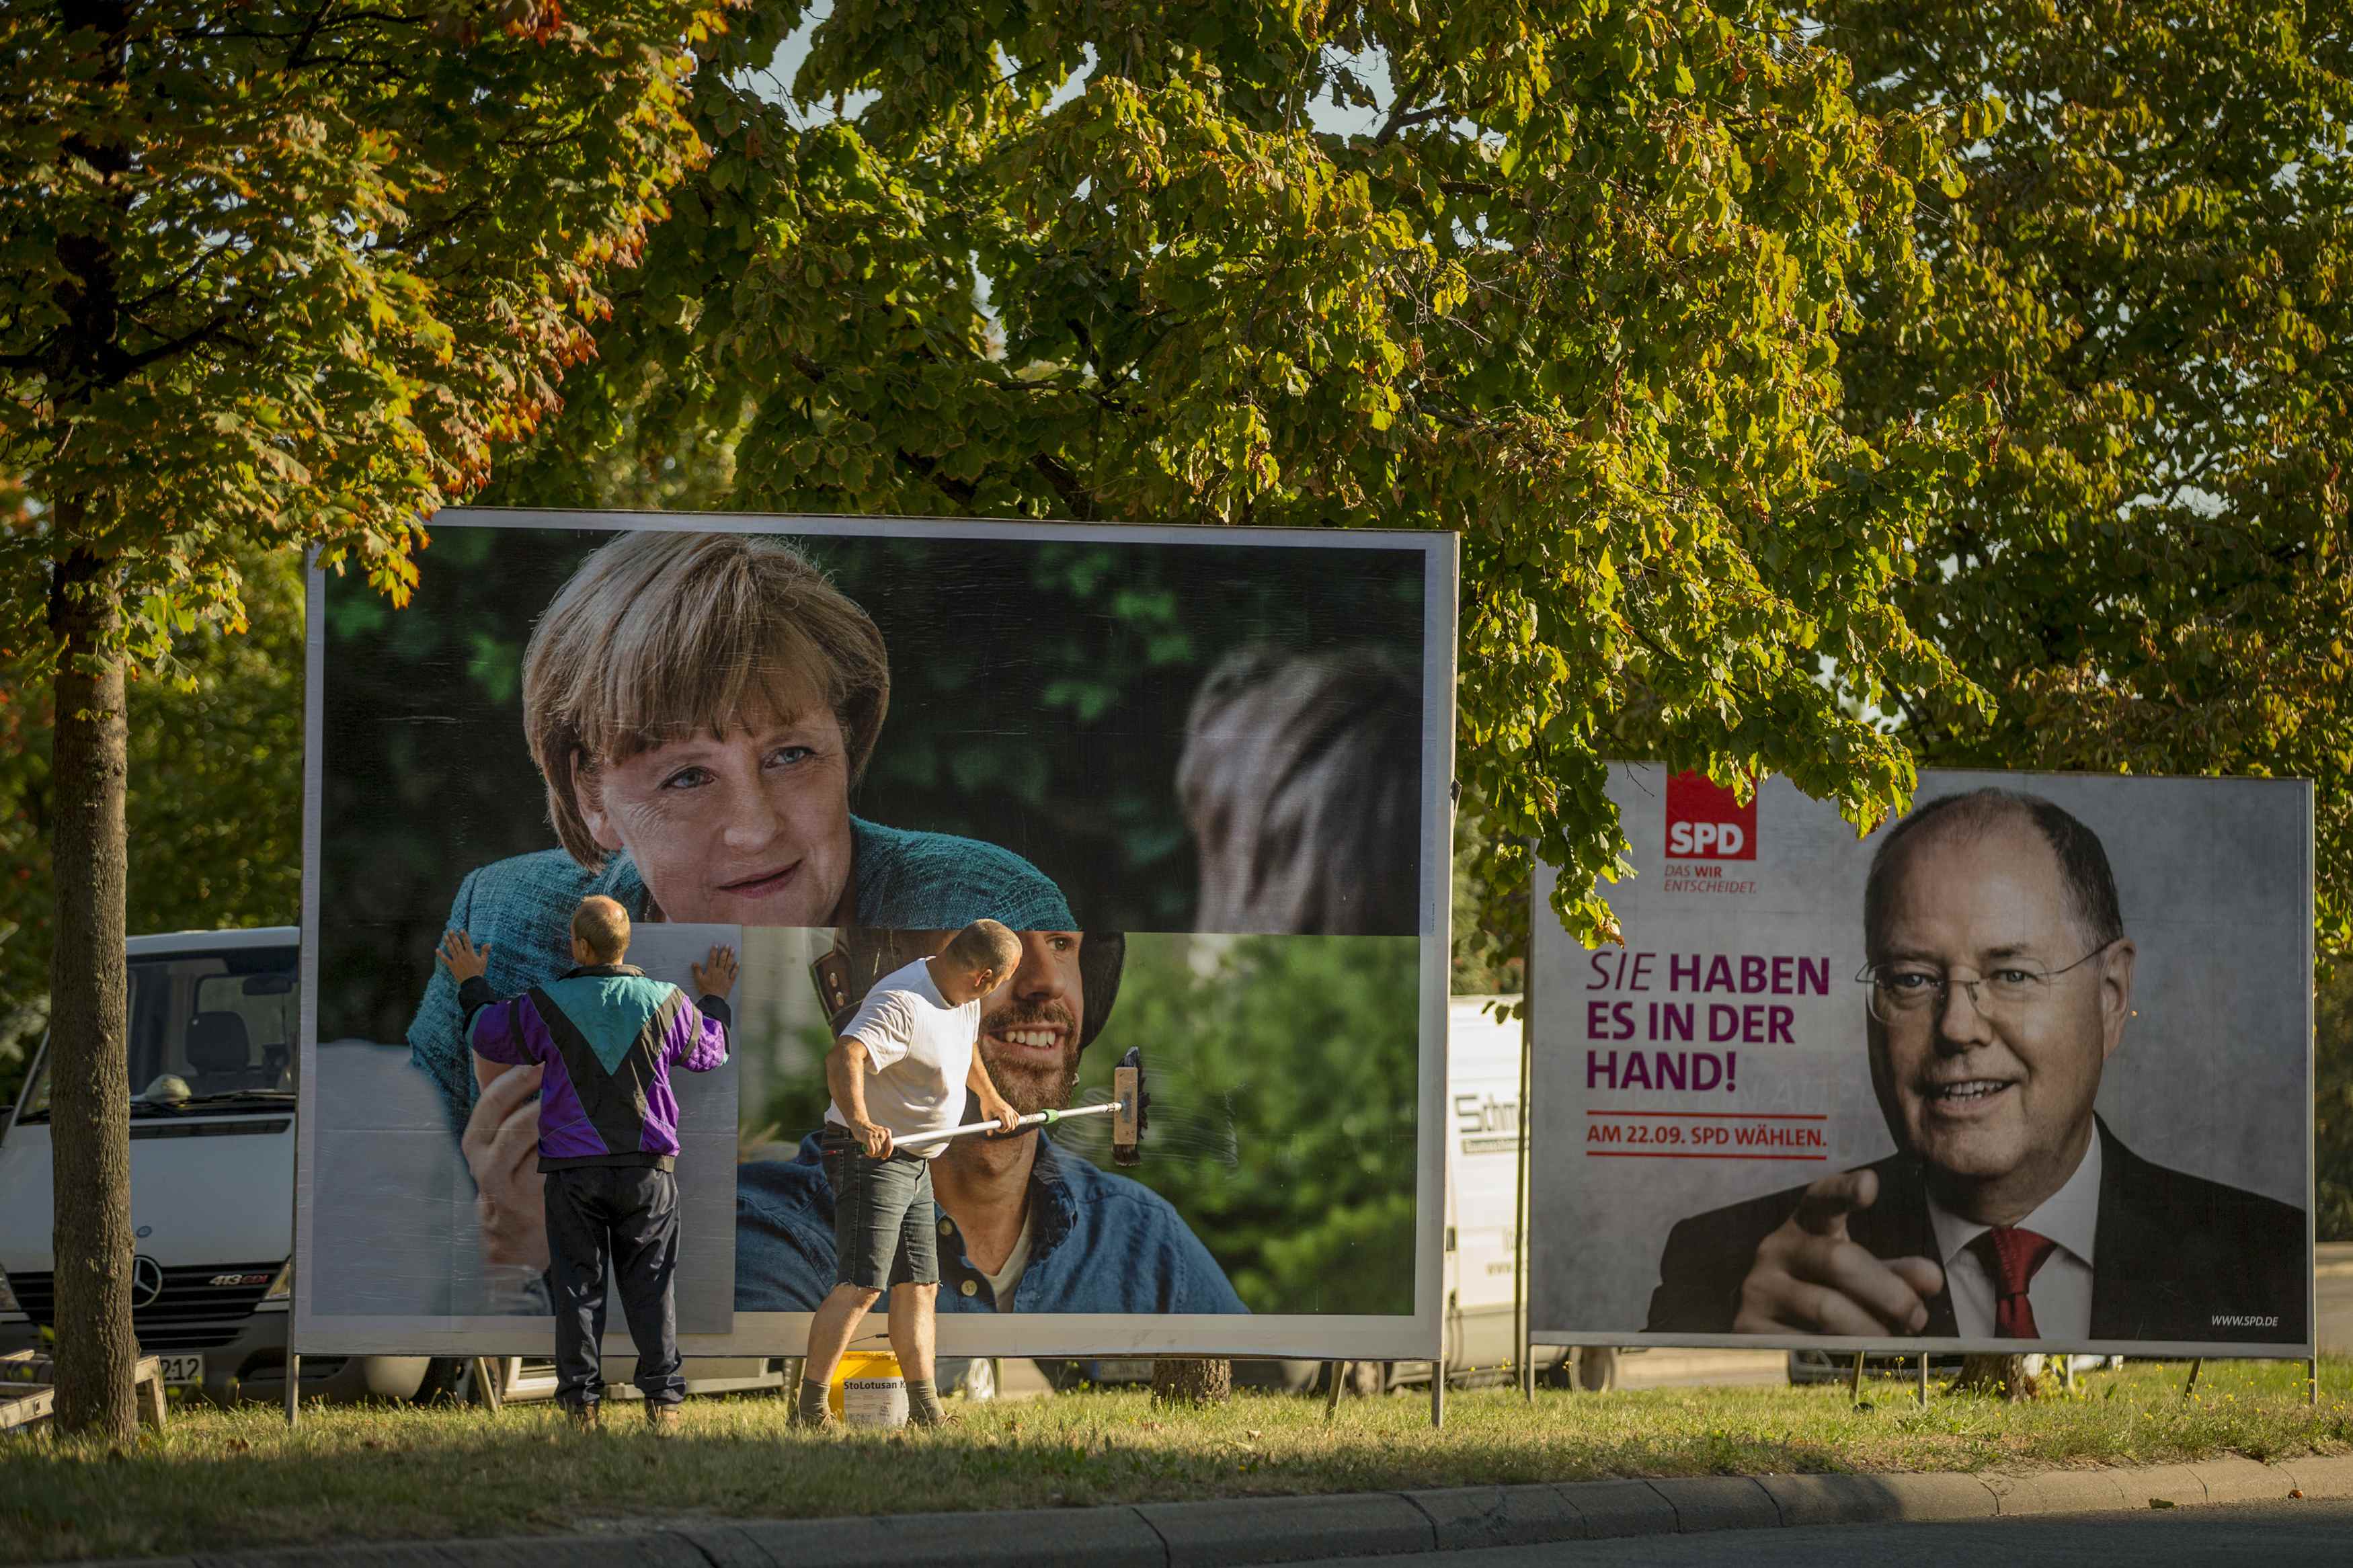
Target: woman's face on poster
x,y
747,827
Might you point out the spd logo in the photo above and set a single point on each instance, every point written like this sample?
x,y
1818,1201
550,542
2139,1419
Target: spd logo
x,y
1705,822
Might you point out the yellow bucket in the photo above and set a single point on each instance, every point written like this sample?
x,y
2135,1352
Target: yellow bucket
x,y
868,1390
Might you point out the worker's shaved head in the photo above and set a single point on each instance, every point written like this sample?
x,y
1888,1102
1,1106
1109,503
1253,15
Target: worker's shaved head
x,y
986,945
602,926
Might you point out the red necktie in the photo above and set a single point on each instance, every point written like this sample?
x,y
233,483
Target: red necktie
x,y
2016,1254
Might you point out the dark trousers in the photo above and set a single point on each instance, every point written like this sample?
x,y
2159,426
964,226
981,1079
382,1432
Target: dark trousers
x,y
627,1214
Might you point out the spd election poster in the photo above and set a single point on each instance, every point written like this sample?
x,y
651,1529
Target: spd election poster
x,y
2026,1068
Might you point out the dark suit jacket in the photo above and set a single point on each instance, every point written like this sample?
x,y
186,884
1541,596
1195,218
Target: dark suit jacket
x,y
2175,1253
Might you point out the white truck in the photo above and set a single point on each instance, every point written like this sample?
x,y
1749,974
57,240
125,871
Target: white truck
x,y
1483,1247
1482,1161
211,1041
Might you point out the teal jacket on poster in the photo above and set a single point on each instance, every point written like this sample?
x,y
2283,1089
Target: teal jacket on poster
x,y
522,907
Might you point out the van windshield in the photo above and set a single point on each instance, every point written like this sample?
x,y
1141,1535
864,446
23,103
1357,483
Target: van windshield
x,y
207,1031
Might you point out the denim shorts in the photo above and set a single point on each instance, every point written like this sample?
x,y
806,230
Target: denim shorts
x,y
884,1232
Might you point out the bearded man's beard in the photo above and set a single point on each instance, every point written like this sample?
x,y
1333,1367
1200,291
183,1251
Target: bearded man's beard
x,y
1032,1087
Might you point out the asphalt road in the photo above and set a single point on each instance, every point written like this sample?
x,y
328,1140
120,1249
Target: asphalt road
x,y
2258,1535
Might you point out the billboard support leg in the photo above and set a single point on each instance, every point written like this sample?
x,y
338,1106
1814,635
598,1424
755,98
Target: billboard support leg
x,y
1438,1395
1339,1374
1520,1303
1924,1380
2312,1382
294,1246
1854,1387
2192,1386
486,1383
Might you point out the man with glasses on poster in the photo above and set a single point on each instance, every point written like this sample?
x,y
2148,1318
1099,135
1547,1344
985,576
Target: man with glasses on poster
x,y
1998,986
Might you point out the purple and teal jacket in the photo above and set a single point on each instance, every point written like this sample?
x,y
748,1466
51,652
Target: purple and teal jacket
x,y
608,1036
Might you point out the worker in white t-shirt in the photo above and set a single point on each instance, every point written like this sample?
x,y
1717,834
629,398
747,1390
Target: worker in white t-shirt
x,y
901,1067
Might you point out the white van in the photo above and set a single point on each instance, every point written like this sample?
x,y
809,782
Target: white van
x,y
1483,1247
1482,1174
211,1031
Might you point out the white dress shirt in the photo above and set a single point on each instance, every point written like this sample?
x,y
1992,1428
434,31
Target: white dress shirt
x,y
2061,1290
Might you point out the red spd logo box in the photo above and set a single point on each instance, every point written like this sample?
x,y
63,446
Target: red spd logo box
x,y
1705,822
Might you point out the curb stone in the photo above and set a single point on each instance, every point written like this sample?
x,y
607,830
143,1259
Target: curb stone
x,y
2318,1476
1614,1508
1470,1517
662,1549
1719,1503
2059,1491
1285,1530
2234,1480
1230,1532
1843,1499
2179,1485
728,1544
1046,1538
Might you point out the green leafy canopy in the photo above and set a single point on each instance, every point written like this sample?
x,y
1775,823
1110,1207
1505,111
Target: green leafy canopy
x,y
2149,270
1572,290
283,273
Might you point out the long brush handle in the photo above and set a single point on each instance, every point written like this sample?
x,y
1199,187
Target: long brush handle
x,y
1039,1119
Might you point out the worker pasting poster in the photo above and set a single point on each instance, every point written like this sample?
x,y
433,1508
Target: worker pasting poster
x,y
2026,1068
1203,773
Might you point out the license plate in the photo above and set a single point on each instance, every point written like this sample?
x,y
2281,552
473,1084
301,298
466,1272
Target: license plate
x,y
180,1369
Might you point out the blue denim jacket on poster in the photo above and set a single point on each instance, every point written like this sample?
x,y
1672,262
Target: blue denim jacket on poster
x,y
522,907
1098,1242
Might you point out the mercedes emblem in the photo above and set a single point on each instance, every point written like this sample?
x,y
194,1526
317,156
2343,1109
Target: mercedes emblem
x,y
146,1281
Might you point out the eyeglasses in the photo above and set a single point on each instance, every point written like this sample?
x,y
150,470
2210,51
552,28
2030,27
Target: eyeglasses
x,y
1902,992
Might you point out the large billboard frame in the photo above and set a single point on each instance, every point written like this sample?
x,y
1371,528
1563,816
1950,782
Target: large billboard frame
x,y
1402,1337
1544,925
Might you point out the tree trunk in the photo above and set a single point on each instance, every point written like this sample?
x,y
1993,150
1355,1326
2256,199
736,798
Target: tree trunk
x,y
2001,1375
89,1092
1178,1381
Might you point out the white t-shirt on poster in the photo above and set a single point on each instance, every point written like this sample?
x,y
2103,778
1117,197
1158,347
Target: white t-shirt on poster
x,y
920,1050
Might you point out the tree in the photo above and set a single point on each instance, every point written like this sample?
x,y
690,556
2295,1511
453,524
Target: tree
x,y
273,274
2145,269
1571,290
213,794
2333,1108
1188,1383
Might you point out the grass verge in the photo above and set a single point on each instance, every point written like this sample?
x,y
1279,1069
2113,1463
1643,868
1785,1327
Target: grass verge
x,y
215,1480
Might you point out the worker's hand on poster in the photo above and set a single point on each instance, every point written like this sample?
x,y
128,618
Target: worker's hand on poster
x,y
463,960
501,1148
716,975
875,1140
1809,1278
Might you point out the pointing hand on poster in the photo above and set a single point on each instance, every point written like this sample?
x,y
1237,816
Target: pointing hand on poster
x,y
1809,1277
501,1149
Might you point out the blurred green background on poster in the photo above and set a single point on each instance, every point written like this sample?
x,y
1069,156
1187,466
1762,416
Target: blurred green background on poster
x,y
1283,1081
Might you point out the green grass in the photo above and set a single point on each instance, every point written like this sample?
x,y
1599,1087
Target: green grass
x,y
213,1480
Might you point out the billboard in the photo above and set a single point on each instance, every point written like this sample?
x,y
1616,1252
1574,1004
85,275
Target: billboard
x,y
2027,1068
1203,772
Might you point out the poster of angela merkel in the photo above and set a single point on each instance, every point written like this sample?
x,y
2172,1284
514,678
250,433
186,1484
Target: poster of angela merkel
x,y
2027,1068
1201,774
